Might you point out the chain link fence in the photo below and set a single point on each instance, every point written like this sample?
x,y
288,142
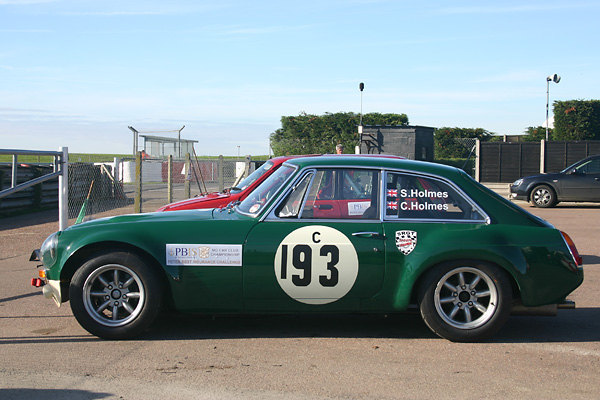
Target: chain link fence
x,y
130,185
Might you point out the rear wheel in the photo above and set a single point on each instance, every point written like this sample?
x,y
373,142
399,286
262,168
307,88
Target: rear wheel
x,y
115,295
543,196
465,301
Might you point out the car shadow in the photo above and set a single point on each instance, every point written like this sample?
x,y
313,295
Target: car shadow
x,y
588,259
32,394
192,327
578,325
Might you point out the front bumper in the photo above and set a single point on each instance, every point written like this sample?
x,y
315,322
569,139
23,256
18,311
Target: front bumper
x,y
516,194
50,288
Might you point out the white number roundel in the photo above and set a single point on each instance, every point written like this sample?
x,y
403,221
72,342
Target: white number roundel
x,y
316,265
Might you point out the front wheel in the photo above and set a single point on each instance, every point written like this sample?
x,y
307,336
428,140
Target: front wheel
x,y
543,196
115,295
465,301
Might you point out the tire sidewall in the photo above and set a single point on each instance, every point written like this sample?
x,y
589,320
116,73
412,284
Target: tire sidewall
x,y
439,326
151,303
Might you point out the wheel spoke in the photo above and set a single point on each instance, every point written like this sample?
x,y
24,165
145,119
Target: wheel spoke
x,y
475,281
116,277
103,306
483,293
103,281
133,295
128,282
115,312
127,307
480,308
468,317
461,279
97,294
446,300
449,286
454,311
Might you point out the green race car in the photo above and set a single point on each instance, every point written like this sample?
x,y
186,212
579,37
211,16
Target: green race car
x,y
327,234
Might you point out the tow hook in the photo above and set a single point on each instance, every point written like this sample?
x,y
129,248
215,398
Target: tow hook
x,y
37,282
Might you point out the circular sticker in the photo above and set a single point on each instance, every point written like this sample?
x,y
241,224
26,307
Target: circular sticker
x,y
316,265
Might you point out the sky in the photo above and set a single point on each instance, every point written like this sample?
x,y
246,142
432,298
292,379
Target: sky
x,y
77,73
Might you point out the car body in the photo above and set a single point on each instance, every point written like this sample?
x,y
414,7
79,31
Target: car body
x,y
328,234
579,182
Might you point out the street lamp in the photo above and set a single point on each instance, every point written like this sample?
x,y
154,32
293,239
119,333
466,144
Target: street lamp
x,y
361,87
554,78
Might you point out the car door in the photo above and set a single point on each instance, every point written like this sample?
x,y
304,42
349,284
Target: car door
x,y
424,216
582,183
298,257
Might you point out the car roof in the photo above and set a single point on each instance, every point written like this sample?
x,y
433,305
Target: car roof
x,y
281,159
374,161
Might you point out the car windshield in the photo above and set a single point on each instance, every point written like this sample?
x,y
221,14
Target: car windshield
x,y
253,177
266,190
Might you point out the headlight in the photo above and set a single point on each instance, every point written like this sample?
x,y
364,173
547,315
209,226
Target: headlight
x,y
48,250
518,182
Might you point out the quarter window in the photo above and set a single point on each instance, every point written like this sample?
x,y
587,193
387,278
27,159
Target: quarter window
x,y
426,198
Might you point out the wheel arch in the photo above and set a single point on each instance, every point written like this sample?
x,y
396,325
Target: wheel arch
x,y
76,260
505,267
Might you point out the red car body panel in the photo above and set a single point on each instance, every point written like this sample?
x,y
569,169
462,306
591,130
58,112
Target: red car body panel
x,y
221,199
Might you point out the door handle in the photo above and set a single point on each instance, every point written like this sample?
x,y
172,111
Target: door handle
x,y
366,234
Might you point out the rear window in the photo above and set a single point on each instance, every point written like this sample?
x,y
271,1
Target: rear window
x,y
419,197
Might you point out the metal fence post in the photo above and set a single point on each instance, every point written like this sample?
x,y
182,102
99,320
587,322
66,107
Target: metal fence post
x,y
63,190
478,160
188,177
542,156
137,205
170,179
221,171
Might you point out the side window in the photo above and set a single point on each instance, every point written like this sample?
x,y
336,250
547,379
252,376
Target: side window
x,y
426,198
343,193
590,167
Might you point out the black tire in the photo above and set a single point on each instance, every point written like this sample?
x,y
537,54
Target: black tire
x,y
543,196
115,295
465,300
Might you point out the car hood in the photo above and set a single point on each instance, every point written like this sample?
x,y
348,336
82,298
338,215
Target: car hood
x,y
197,202
542,177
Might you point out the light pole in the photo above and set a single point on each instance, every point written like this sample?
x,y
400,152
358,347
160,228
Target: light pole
x,y
554,78
361,87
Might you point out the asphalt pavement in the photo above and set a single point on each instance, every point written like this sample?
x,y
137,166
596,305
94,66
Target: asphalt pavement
x,y
45,354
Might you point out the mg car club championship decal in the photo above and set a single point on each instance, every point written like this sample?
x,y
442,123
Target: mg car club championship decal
x,y
406,241
316,265
204,254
